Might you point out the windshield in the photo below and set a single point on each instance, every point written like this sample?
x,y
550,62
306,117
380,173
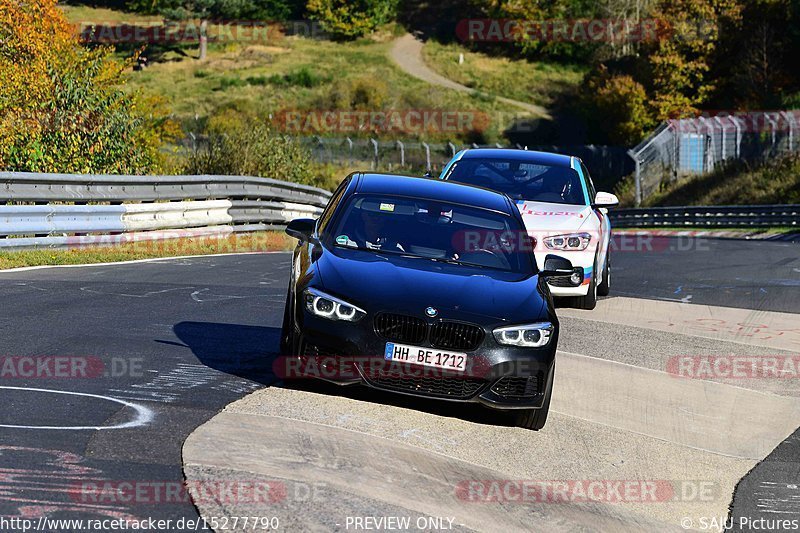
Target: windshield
x,y
431,230
521,180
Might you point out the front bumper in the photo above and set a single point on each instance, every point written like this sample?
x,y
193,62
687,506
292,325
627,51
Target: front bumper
x,y
497,376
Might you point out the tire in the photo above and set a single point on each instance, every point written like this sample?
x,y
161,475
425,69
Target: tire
x,y
589,301
534,419
287,345
605,283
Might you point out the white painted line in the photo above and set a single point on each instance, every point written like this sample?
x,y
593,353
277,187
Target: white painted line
x,y
143,414
134,261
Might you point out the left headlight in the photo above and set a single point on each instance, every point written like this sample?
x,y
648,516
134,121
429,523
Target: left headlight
x,y
526,335
571,241
331,307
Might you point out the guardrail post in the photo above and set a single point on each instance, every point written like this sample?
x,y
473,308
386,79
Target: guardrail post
x,y
350,147
427,156
724,139
637,178
774,126
375,148
735,121
790,121
709,136
402,153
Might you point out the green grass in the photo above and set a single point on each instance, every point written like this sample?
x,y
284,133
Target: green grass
x,y
85,14
533,82
254,242
774,182
262,78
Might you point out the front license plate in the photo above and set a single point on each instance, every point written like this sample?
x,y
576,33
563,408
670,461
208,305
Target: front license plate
x,y
425,356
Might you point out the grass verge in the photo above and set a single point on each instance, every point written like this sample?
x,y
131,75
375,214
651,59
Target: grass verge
x,y
539,83
263,77
773,182
266,241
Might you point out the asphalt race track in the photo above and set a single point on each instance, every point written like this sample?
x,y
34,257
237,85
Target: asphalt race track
x,y
762,275
170,343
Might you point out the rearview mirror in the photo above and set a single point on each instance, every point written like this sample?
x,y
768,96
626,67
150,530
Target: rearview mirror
x,y
301,228
606,199
556,266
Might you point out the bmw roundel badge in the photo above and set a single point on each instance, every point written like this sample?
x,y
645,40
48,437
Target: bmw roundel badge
x,y
431,312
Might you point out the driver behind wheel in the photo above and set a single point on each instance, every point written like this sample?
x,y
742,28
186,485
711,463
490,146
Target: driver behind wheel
x,y
371,233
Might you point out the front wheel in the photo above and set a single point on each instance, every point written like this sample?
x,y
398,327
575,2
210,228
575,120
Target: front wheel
x,y
287,346
535,419
605,283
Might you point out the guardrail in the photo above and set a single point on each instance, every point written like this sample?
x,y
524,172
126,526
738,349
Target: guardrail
x,y
55,210
723,216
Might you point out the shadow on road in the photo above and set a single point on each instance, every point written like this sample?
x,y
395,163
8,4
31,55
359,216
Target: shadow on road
x,y
244,351
250,352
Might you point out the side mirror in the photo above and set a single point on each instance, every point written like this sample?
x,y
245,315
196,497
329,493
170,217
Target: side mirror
x,y
301,228
606,199
556,266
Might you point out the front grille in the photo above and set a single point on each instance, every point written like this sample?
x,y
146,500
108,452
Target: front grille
x,y
518,386
449,387
456,336
400,328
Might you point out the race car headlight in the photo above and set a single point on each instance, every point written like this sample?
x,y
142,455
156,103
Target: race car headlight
x,y
528,335
330,307
571,241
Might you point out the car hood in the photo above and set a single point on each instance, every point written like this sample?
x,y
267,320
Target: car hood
x,y
379,282
552,218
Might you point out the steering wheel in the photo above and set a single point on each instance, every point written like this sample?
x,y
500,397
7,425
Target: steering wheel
x,y
509,176
495,259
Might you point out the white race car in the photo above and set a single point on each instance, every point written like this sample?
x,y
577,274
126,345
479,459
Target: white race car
x,y
560,207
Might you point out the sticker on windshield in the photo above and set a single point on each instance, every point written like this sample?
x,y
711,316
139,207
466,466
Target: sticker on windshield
x,y
387,207
344,240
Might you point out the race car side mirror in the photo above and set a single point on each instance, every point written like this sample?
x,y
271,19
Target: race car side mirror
x,y
606,199
301,228
556,266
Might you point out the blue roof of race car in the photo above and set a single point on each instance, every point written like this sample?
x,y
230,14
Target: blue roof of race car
x,y
443,191
543,158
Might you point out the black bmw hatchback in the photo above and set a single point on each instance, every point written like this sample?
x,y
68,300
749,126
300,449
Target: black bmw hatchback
x,y
423,287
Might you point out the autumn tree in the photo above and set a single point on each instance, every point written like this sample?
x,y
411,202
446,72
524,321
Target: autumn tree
x,y
616,108
680,61
348,19
62,108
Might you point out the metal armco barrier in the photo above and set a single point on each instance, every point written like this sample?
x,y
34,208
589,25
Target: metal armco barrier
x,y
53,210
723,216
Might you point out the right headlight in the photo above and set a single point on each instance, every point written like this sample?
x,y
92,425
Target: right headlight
x,y
330,307
569,242
526,335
